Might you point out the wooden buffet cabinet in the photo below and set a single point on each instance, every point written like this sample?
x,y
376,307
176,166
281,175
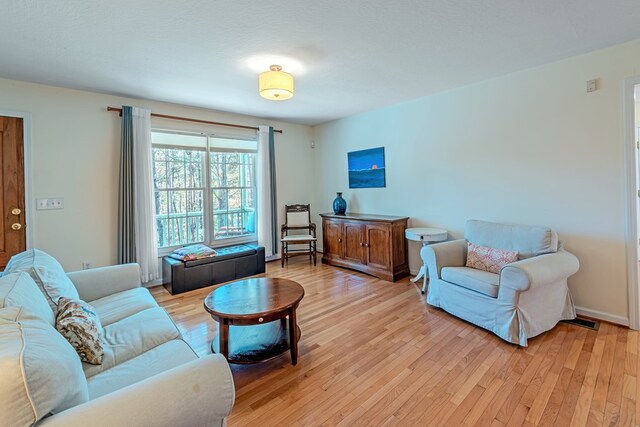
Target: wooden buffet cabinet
x,y
372,244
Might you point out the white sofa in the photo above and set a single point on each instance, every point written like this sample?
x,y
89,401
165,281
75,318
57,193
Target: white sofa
x,y
149,375
528,297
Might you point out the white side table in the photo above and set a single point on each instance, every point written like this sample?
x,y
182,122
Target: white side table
x,y
426,236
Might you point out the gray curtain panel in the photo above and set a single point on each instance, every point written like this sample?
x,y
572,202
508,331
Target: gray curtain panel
x,y
274,204
126,229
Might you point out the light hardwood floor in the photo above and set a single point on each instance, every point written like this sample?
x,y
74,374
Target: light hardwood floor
x,y
374,353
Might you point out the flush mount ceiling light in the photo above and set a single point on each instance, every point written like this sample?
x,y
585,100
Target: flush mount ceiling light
x,y
275,84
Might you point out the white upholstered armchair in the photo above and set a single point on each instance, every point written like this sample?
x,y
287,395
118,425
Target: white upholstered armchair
x,y
527,297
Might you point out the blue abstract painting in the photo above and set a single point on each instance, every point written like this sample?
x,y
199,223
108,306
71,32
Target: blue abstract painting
x,y
366,168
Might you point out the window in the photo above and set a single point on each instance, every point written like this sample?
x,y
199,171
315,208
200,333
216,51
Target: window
x,y
205,189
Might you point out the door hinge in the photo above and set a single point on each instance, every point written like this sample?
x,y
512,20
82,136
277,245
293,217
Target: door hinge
x,y
638,144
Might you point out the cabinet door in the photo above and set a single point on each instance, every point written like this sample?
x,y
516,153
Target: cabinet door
x,y
378,245
353,242
332,238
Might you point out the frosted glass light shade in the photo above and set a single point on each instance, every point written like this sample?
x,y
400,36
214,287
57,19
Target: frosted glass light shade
x,y
276,85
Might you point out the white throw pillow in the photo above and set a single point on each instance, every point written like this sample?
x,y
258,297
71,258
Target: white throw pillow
x,y
46,272
41,372
19,290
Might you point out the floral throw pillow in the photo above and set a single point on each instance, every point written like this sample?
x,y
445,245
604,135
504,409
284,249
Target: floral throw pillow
x,y
78,322
489,259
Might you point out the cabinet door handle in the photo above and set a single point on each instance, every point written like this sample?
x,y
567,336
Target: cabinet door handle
x,y
339,240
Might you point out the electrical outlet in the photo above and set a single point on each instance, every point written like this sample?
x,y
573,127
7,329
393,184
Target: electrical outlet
x,y
86,265
592,85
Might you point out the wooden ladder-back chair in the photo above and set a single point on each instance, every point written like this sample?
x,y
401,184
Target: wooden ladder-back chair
x,y
298,219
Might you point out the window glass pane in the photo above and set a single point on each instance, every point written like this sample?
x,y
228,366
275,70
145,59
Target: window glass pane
x,y
195,203
176,174
159,173
162,225
162,203
219,200
218,170
235,200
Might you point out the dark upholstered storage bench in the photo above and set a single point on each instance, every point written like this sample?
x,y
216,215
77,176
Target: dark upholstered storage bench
x,y
230,263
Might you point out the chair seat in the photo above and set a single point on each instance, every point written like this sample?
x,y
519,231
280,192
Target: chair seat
x,y
477,280
298,238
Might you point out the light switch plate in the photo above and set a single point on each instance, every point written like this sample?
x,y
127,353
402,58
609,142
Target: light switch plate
x,y
50,203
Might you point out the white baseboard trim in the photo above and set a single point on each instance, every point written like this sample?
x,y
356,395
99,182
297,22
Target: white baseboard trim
x,y
414,271
601,315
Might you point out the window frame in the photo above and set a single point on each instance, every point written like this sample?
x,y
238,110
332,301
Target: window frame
x,y
208,214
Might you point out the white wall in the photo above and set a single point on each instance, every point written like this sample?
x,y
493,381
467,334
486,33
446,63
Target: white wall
x,y
531,147
75,151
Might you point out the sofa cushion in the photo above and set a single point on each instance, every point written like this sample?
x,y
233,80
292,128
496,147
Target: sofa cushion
x,y
41,373
526,240
46,272
78,323
132,336
19,290
155,361
489,259
477,280
115,307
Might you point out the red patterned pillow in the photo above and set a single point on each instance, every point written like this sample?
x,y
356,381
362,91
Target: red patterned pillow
x,y
489,259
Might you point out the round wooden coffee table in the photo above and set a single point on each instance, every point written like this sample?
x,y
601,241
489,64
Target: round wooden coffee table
x,y
252,316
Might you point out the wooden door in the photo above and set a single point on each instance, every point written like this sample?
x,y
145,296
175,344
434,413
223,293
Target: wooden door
x,y
378,246
12,217
353,235
332,238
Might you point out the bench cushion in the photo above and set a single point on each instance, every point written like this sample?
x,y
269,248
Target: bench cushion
x,y
223,254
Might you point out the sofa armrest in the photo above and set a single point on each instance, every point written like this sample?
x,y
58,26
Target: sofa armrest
x,y
100,282
197,393
539,270
445,254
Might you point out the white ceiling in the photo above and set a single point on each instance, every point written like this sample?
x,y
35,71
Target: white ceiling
x,y
347,56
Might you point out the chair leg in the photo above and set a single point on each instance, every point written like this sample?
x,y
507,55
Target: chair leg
x,y
315,255
282,255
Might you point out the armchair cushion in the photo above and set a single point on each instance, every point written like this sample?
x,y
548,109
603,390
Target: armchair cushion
x,y
477,280
528,241
46,272
489,259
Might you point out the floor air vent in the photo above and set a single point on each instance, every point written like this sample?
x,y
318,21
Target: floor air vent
x,y
585,323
